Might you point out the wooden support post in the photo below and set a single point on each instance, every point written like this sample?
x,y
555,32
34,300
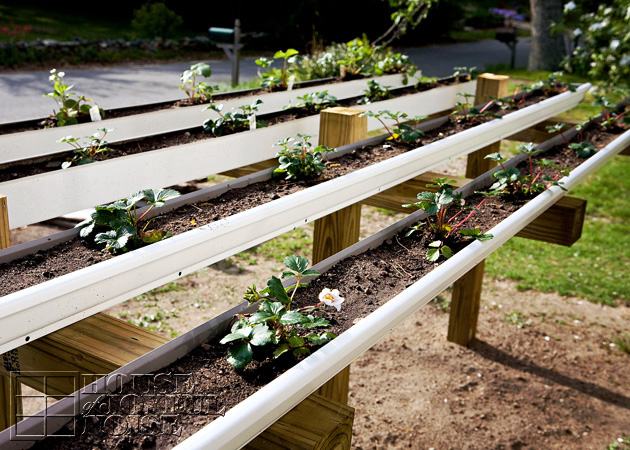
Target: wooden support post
x,y
317,423
561,224
338,126
488,86
462,324
9,388
467,290
625,151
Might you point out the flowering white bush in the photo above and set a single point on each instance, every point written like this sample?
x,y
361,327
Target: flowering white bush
x,y
603,37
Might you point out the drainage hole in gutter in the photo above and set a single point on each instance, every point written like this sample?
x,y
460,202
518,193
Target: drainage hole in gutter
x,y
28,338
180,274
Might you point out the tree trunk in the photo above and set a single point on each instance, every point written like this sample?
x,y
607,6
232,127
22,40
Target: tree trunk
x,y
546,51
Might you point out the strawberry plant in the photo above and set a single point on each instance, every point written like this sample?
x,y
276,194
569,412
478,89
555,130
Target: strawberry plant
x,y
510,180
125,232
299,160
230,122
375,93
553,84
405,132
610,118
70,110
194,90
436,205
314,102
271,79
465,113
86,151
276,323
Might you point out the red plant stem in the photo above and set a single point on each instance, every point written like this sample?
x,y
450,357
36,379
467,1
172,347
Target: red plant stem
x,y
566,141
534,180
309,307
451,219
467,217
145,213
487,106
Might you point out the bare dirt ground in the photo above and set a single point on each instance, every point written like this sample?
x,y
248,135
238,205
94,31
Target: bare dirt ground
x,y
542,374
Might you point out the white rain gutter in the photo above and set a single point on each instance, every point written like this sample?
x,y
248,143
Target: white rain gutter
x,y
34,144
250,417
41,309
53,194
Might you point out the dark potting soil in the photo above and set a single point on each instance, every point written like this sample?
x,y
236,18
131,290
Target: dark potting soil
x,y
78,253
25,168
366,281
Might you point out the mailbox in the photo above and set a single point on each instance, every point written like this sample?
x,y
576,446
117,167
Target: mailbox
x,y
222,35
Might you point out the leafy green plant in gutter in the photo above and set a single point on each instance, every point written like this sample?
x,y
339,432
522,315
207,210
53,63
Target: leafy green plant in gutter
x,y
298,159
314,102
188,82
436,205
405,129
276,322
465,113
510,180
270,80
232,122
70,109
375,92
86,151
124,230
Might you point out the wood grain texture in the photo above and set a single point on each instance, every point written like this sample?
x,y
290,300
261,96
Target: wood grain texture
x,y
336,231
337,388
341,126
561,224
5,239
11,405
490,85
317,423
96,345
462,324
407,192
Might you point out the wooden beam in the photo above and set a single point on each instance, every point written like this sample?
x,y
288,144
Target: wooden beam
x,y
538,133
626,151
462,324
561,224
98,344
467,290
341,126
317,423
407,192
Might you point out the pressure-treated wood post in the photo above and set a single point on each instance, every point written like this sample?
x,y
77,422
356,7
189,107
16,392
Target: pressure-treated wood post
x,y
337,127
9,388
466,297
317,423
488,86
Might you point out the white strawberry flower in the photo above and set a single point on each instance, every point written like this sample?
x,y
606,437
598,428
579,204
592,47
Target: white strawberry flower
x,y
331,298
